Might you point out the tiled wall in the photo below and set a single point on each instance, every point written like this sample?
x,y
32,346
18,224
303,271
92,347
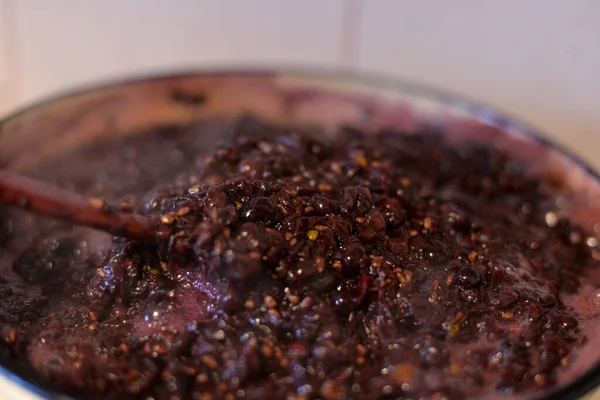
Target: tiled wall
x,y
537,59
60,43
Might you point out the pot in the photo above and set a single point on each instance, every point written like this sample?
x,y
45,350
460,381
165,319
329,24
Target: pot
x,y
39,135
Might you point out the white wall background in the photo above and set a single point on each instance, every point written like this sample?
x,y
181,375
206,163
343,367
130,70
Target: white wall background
x,y
537,59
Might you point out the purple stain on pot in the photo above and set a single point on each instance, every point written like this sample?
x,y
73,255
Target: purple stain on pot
x,y
369,266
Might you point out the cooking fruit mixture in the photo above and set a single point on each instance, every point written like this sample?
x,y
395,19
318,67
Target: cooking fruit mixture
x,y
383,266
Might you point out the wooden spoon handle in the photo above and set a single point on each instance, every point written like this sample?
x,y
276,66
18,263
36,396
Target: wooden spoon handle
x,y
52,201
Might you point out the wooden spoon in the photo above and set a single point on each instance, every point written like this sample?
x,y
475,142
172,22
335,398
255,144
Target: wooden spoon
x,y
49,200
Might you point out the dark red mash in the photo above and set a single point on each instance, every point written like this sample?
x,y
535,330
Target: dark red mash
x,y
370,267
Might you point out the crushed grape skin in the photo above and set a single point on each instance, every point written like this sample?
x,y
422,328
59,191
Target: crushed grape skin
x,y
391,266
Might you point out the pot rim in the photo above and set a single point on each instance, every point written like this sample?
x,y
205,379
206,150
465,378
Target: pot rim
x,y
474,109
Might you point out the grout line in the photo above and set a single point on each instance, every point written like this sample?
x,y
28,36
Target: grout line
x,y
3,57
352,18
11,84
3,68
